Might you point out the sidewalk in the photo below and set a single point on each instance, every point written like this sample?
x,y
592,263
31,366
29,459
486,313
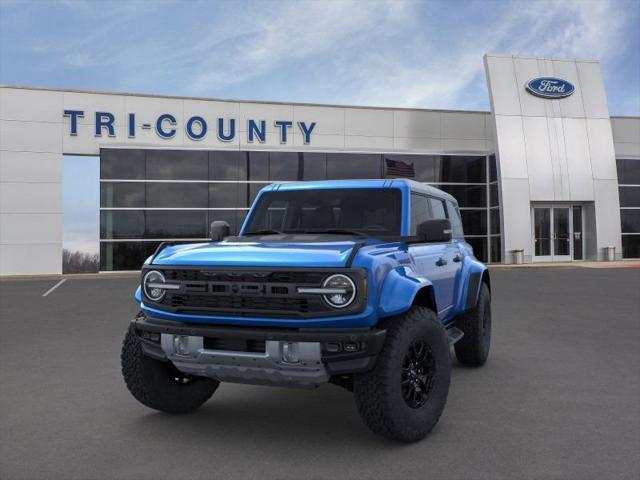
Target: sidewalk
x,y
577,264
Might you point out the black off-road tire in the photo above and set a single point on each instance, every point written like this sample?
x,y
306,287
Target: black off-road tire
x,y
473,348
159,385
380,393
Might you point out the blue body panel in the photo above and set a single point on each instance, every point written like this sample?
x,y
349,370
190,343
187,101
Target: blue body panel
x,y
396,272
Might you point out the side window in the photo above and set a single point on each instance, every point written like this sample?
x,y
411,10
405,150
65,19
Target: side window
x,y
456,221
419,211
437,208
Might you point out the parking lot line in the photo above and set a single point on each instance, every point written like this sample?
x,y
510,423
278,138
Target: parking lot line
x,y
54,287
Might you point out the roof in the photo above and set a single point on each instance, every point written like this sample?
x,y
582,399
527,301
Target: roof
x,y
401,183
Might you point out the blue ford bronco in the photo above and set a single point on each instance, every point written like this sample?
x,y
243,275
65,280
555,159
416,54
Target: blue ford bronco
x,y
361,283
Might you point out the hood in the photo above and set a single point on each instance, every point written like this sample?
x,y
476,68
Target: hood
x,y
257,254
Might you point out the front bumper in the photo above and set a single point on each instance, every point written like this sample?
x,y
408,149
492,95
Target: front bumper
x,y
255,355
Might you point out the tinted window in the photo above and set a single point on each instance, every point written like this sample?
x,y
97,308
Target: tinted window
x,y
631,246
123,164
629,196
352,165
496,252
474,221
228,195
463,169
630,221
419,211
437,208
374,211
176,224
495,220
177,195
118,195
284,165
125,255
493,194
314,166
467,195
177,165
258,166
225,165
456,221
628,171
121,224
493,169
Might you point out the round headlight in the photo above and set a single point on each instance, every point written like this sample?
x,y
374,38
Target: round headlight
x,y
153,292
344,291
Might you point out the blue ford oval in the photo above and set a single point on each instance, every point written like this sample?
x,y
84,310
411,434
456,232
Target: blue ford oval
x,y
550,87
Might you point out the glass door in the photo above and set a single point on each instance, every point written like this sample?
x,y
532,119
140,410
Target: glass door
x,y
557,233
561,234
542,233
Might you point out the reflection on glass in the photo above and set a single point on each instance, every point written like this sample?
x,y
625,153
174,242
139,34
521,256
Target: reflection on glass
x,y
353,165
283,165
630,221
119,195
474,221
122,164
176,224
177,165
121,224
177,195
226,165
314,166
542,231
577,232
561,237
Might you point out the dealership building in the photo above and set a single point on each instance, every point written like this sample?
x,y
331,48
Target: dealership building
x,y
546,175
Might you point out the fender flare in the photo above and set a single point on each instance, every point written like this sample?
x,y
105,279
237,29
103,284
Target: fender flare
x,y
399,290
474,274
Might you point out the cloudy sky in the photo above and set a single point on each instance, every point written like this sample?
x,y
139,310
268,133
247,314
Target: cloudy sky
x,y
396,53
363,52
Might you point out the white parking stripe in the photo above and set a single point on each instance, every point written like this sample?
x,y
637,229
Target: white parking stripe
x,y
54,287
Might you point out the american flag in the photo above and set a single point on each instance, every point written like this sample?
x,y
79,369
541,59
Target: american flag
x,y
397,168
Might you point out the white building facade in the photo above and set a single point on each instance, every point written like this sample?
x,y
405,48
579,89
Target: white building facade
x,y
546,174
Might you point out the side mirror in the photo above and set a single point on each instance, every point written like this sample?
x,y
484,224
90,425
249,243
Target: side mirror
x,y
219,230
435,231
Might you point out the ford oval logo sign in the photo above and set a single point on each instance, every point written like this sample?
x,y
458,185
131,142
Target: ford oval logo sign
x,y
550,87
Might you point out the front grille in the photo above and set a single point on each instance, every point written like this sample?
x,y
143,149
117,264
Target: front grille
x,y
246,293
234,345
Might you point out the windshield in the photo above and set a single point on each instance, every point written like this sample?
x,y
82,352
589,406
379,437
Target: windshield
x,y
365,211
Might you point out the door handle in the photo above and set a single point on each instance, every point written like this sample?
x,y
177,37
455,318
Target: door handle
x,y
441,262
457,258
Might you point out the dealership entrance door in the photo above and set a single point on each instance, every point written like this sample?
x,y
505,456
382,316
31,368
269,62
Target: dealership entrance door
x,y
557,233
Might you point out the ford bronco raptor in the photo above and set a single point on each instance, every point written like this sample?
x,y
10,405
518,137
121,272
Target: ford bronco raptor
x,y
360,283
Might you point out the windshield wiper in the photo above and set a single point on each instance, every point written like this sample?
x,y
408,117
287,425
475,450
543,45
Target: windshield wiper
x,y
344,231
263,232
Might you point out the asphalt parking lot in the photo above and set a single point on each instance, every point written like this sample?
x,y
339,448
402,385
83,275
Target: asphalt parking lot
x,y
558,399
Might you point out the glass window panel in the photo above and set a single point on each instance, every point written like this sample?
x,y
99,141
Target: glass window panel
x,y
353,165
123,164
437,208
542,231
479,245
462,169
227,165
314,166
177,165
227,195
456,220
258,165
494,199
628,171
124,255
122,224
493,169
496,252
177,195
119,195
630,221
254,189
467,195
176,224
474,222
629,196
494,218
419,211
631,246
284,165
